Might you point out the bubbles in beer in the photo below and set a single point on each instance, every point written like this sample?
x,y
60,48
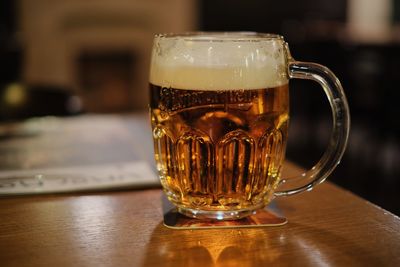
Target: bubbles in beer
x,y
223,150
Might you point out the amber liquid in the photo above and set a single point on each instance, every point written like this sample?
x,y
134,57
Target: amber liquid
x,y
219,150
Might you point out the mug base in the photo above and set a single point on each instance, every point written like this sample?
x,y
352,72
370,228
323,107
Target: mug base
x,y
218,215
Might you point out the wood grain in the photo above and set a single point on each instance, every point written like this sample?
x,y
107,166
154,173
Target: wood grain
x,y
327,227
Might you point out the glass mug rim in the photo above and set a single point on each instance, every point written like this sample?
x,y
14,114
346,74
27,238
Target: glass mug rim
x,y
221,36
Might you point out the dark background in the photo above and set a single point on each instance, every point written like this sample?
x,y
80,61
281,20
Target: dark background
x,y
314,30
369,74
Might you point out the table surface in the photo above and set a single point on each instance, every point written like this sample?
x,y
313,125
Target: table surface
x,y
328,226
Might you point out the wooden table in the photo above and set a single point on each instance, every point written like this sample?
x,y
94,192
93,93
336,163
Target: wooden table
x,y
327,227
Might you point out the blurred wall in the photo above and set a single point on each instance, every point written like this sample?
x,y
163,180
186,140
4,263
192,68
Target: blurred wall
x,y
98,49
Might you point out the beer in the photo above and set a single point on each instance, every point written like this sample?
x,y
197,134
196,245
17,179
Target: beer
x,y
219,114
219,149
219,125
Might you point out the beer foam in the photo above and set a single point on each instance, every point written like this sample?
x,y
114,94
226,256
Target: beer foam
x,y
218,65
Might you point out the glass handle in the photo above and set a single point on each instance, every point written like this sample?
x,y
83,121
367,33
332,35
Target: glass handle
x,y
340,130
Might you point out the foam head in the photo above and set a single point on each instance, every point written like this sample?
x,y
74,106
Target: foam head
x,y
218,61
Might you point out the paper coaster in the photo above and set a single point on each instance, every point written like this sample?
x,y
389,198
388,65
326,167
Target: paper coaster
x,y
264,217
135,174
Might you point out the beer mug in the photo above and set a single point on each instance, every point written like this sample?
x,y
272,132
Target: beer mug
x,y
219,105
